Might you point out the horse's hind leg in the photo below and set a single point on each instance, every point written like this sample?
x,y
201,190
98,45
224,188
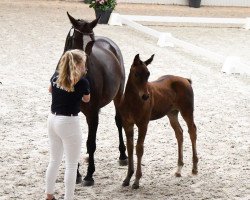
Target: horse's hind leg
x,y
189,118
173,118
123,157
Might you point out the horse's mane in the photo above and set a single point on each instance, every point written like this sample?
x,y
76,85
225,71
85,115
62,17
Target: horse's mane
x,y
68,42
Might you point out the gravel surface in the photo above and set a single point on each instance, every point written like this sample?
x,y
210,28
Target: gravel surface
x,y
31,41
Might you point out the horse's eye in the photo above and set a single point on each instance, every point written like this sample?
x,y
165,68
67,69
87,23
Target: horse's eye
x,y
137,74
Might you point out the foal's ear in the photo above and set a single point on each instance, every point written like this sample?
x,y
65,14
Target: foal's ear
x,y
147,62
94,22
137,59
72,20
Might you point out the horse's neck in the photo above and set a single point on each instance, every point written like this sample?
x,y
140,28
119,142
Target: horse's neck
x,y
86,40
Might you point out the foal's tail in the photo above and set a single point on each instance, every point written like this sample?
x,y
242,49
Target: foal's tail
x,y
184,95
190,81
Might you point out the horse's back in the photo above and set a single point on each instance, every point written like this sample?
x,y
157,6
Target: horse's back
x,y
112,46
105,73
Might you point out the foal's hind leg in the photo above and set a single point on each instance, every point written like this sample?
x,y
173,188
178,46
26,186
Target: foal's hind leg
x,y
173,118
189,118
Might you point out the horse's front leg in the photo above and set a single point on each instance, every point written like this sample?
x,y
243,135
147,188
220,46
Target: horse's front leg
x,y
142,130
91,147
123,159
129,130
78,175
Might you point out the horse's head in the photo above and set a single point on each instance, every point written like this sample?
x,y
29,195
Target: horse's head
x,y
139,75
83,27
77,40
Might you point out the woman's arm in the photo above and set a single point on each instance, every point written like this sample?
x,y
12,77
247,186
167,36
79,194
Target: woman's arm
x,y
86,98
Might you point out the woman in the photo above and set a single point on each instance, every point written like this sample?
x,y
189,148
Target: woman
x,y
68,88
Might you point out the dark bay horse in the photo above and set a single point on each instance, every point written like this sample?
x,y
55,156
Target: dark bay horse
x,y
106,75
144,101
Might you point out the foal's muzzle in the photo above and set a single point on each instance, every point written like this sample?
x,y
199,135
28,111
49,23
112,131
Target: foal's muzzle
x,y
145,97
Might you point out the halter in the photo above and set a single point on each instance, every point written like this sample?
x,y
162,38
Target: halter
x,y
71,37
89,34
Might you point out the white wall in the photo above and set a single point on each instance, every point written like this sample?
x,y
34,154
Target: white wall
x,y
243,3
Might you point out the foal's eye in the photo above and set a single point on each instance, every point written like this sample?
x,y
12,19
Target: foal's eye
x,y
137,74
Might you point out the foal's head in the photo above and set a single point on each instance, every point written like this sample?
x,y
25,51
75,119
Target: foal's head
x,y
139,75
83,27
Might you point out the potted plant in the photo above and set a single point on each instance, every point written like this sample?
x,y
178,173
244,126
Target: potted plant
x,y
103,8
195,3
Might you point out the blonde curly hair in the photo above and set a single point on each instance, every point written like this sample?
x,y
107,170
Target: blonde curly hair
x,y
71,68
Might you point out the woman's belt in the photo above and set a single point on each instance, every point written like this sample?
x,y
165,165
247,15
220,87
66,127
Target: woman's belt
x,y
64,114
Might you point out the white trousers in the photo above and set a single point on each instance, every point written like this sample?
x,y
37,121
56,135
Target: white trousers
x,y
64,137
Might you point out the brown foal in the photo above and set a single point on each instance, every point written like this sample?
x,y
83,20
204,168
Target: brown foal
x,y
144,101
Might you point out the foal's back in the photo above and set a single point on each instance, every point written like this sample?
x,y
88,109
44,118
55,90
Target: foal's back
x,y
170,93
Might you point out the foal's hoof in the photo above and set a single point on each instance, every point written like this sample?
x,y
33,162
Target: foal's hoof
x,y
123,162
135,186
88,182
194,171
177,174
78,179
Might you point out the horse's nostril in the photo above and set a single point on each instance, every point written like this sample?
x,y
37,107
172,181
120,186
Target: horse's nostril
x,y
145,97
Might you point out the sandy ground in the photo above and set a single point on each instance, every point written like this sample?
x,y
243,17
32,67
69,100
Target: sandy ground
x,y
31,41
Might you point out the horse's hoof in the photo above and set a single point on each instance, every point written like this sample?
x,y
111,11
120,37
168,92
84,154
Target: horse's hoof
x,y
135,186
177,174
87,159
123,162
125,183
78,179
88,182
194,171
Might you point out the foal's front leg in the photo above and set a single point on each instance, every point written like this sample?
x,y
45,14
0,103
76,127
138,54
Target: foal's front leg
x,y
139,152
129,130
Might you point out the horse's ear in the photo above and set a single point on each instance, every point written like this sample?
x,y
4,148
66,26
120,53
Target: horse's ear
x,y
147,62
72,20
94,22
137,59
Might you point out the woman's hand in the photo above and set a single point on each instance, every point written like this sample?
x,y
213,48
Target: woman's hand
x,y
50,89
86,98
